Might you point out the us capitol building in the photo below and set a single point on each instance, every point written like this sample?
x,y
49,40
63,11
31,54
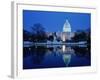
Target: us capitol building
x,y
66,33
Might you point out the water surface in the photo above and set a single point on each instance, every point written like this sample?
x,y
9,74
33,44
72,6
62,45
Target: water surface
x,y
54,56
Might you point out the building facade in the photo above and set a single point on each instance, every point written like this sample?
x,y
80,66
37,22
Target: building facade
x,y
66,33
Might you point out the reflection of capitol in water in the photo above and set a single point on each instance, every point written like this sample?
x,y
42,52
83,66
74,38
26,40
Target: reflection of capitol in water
x,y
66,58
66,53
61,49
67,49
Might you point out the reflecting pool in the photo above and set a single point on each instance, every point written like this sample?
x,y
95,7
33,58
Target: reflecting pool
x,y
54,56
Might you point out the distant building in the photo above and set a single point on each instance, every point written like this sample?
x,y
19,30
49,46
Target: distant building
x,y
67,27
66,33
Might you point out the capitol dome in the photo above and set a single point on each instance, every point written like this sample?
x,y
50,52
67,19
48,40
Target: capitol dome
x,y
67,26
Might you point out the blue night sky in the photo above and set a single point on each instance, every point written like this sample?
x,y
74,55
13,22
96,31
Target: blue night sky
x,y
54,21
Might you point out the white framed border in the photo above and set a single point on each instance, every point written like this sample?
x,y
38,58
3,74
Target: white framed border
x,y
17,40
